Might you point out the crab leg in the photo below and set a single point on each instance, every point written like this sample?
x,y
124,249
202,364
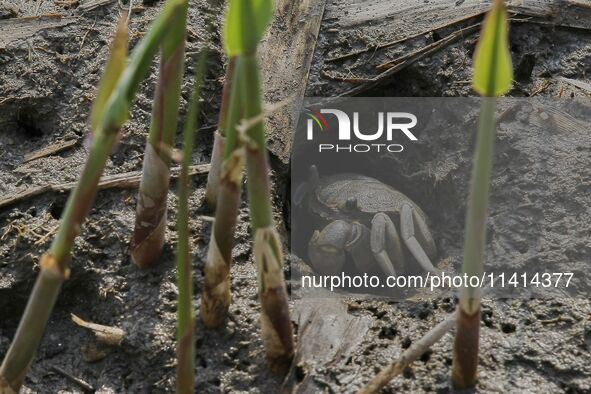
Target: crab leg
x,y
358,246
416,237
385,245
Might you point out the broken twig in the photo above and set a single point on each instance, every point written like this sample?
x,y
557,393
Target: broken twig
x,y
403,62
92,4
415,55
85,385
49,150
16,29
586,86
121,181
400,40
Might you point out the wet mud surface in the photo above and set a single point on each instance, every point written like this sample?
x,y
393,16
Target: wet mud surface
x,y
47,83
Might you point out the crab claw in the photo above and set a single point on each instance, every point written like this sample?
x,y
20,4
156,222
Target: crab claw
x,y
327,248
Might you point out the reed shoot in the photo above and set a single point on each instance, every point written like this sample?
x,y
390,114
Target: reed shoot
x,y
119,84
275,321
216,296
185,315
493,76
150,223
217,154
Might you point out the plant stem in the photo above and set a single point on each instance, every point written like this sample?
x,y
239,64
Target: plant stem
x,y
217,154
465,362
465,357
55,263
492,76
275,321
185,316
216,296
150,224
30,330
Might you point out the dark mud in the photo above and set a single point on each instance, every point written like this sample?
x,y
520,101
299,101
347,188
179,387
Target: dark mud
x,y
46,87
539,211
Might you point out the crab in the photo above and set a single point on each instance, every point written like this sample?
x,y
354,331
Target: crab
x,y
359,214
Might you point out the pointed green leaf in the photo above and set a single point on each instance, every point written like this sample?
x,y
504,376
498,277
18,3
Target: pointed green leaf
x,y
246,22
113,71
493,71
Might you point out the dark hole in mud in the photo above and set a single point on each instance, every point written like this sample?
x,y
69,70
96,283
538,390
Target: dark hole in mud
x,y
422,85
406,342
149,3
525,67
387,332
424,313
487,317
56,208
426,356
508,327
27,120
408,373
300,373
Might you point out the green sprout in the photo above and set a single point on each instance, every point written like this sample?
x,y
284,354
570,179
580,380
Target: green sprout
x,y
246,22
150,223
185,315
119,84
493,77
216,297
219,142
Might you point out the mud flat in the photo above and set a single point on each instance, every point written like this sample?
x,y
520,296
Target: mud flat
x,y
541,182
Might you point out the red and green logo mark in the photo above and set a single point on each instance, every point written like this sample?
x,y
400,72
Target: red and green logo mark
x,y
317,117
